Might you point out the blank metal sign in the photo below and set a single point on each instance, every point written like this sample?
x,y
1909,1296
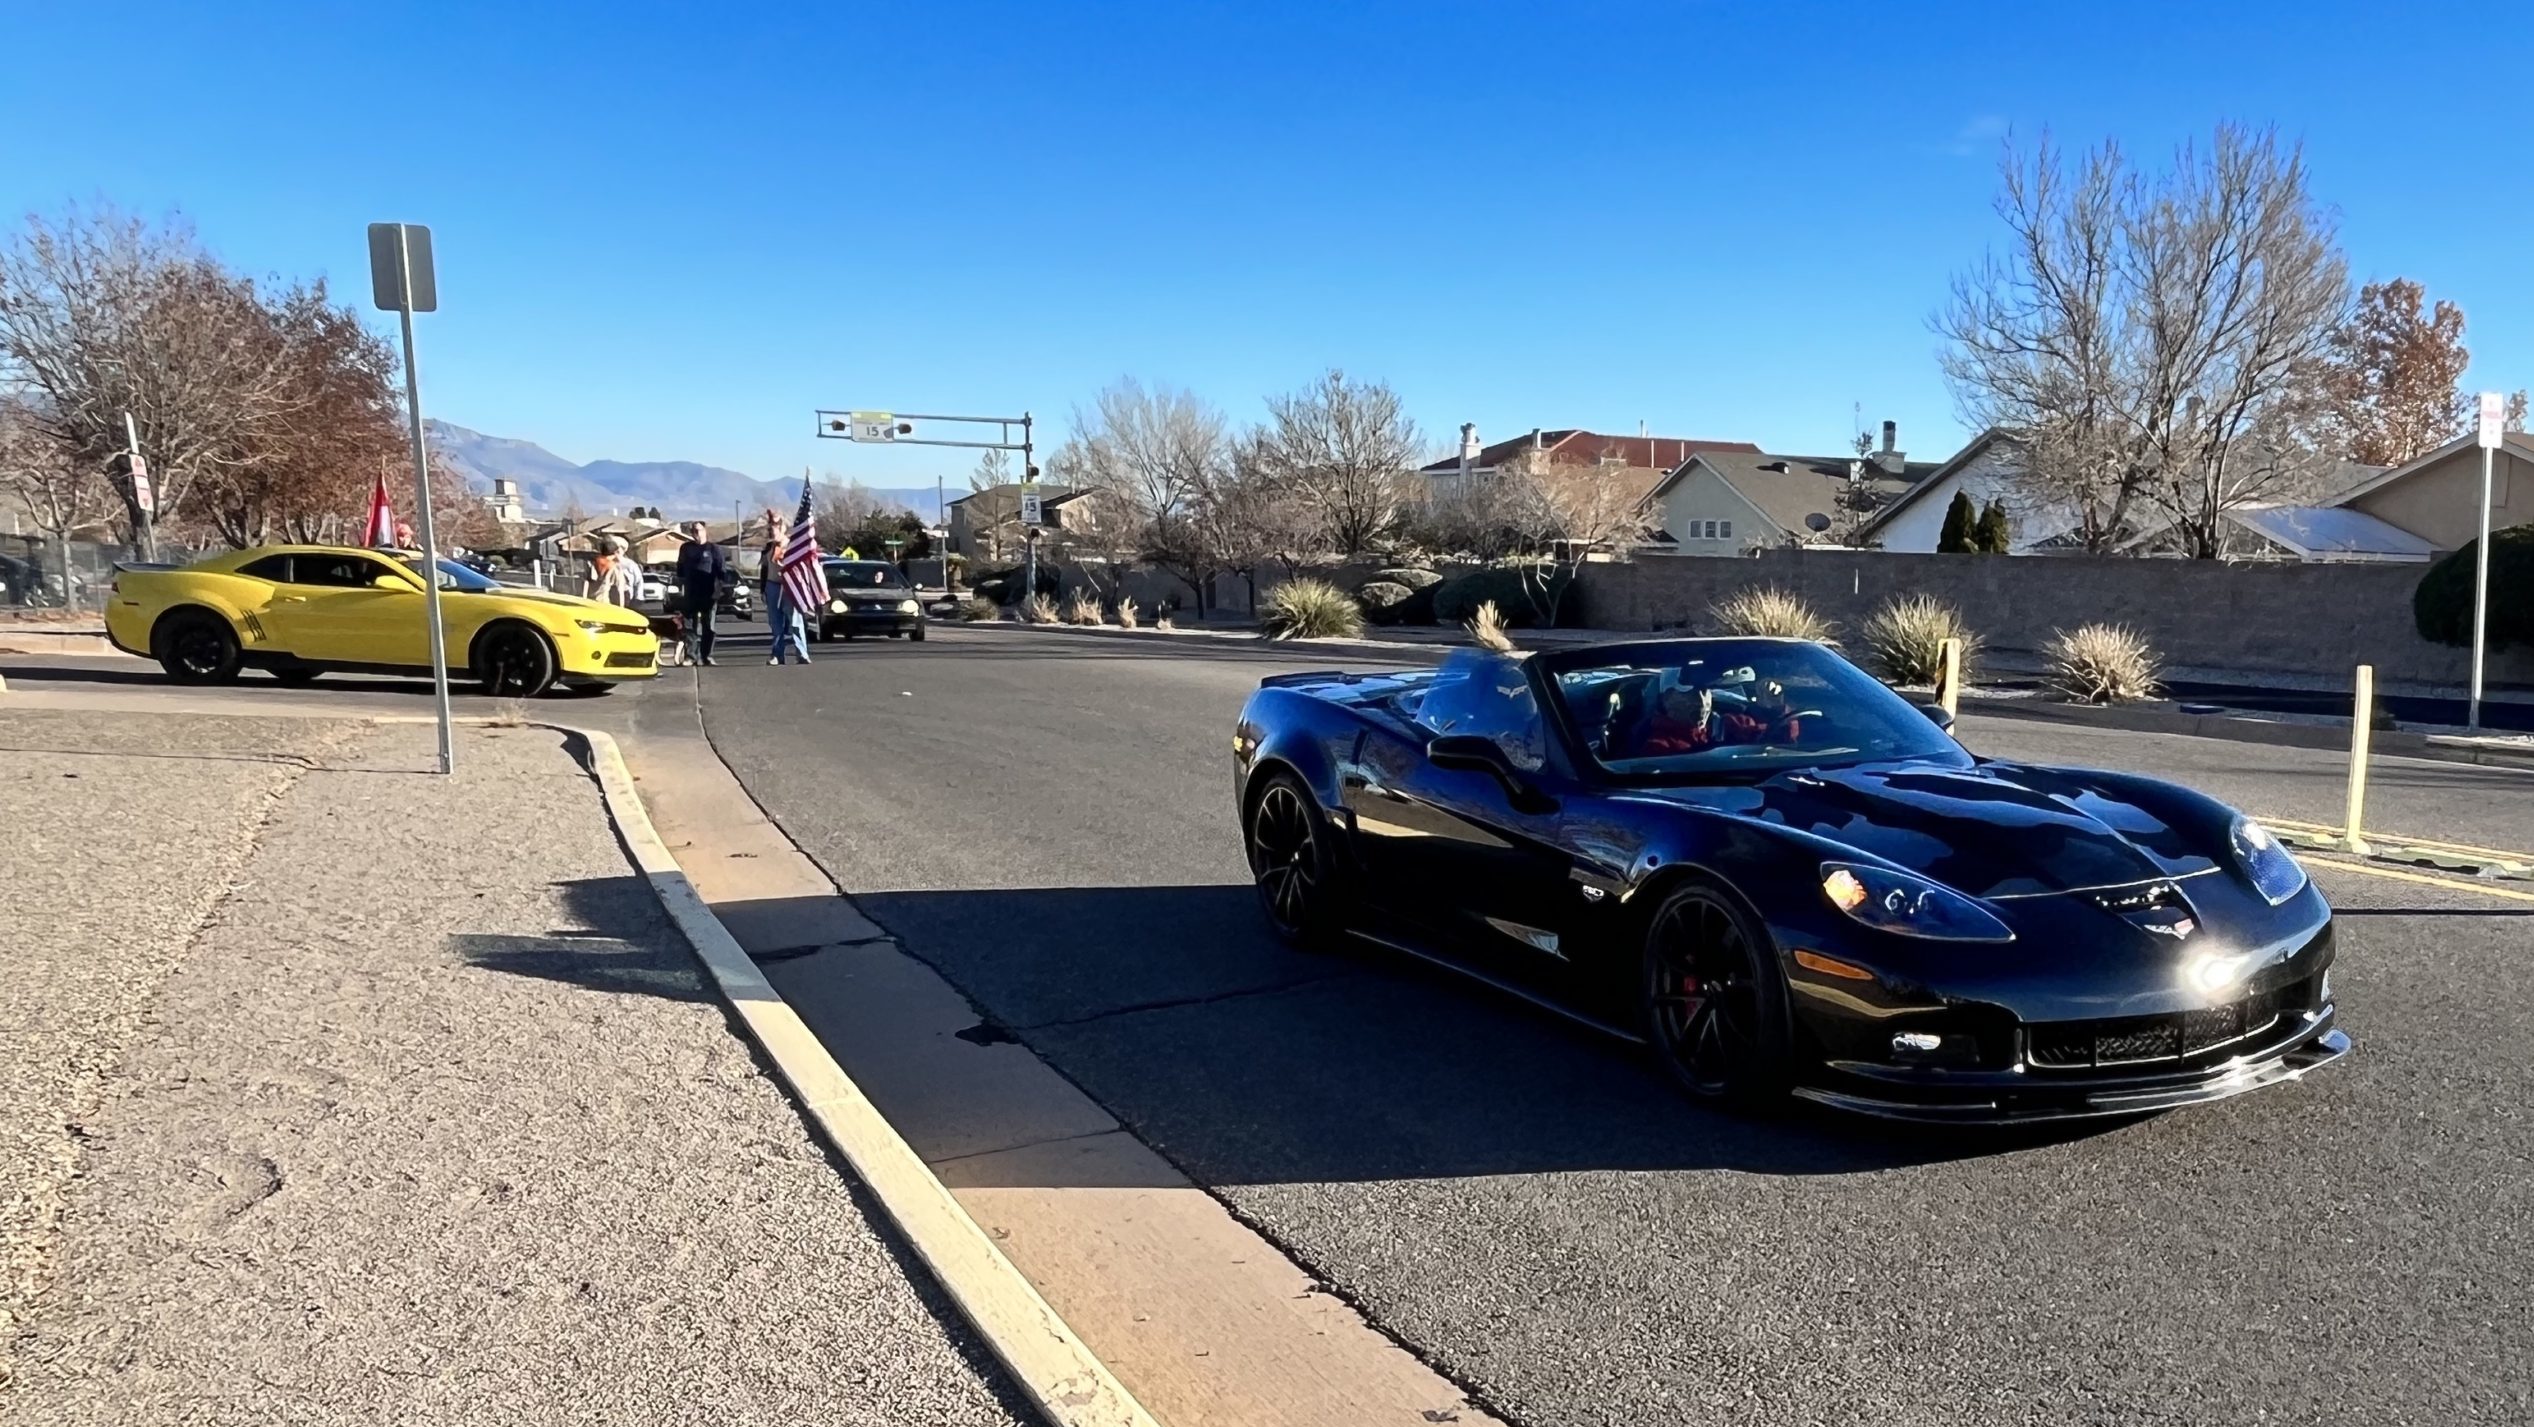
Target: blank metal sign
x,y
390,267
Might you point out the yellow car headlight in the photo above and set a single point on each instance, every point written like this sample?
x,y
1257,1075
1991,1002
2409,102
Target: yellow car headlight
x,y
592,626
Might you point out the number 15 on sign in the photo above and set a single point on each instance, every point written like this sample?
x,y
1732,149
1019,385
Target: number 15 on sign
x,y
874,426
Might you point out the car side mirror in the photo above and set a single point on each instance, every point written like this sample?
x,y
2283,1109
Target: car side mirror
x,y
1475,753
1937,715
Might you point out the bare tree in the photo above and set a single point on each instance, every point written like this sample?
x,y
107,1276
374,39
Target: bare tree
x,y
1563,512
2159,341
1158,456
1347,448
60,494
102,315
841,509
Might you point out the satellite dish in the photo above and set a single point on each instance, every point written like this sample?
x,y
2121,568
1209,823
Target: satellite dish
x,y
1817,523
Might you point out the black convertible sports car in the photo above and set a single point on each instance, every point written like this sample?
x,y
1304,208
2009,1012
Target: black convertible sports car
x,y
1784,878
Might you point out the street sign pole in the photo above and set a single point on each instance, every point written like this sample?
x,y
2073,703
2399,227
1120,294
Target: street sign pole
x,y
402,279
144,497
2493,420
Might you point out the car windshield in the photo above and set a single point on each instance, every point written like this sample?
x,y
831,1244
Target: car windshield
x,y
454,576
1682,709
863,575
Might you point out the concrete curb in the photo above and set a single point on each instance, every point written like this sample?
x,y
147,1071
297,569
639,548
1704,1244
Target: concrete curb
x,y
45,641
1068,1385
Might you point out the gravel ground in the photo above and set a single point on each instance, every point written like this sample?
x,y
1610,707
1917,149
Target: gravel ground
x,y
434,1120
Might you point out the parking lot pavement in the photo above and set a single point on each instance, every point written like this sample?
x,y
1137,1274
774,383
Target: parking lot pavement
x,y
404,1105
1533,1211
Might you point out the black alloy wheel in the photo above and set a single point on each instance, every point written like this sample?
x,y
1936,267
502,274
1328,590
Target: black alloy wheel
x,y
1290,857
197,647
1715,1002
513,661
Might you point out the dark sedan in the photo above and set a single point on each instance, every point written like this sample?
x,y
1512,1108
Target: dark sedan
x,y
1785,879
868,597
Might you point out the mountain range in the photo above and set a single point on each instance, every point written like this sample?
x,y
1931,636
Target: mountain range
x,y
550,485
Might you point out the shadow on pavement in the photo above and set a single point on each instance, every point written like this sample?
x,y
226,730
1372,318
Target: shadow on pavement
x,y
1272,1066
624,945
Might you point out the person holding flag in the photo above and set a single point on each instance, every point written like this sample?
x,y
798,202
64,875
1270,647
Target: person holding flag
x,y
801,581
782,621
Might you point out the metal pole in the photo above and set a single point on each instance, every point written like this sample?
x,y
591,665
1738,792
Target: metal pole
x,y
145,530
941,547
430,541
1029,533
2480,594
2362,723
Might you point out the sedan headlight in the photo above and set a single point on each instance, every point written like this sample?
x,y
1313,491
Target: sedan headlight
x,y
836,606
909,607
1904,905
2274,871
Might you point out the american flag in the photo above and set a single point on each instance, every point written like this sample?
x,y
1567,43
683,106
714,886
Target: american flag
x,y
804,581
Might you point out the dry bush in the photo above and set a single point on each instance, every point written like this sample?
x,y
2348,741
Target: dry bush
x,y
1770,611
2101,664
1904,640
977,609
1082,607
1163,622
1038,609
1310,609
1128,616
1487,629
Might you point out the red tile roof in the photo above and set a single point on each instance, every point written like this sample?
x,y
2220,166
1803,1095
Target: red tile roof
x,y
1660,453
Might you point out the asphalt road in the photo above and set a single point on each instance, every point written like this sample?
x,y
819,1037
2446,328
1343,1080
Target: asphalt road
x,y
1043,817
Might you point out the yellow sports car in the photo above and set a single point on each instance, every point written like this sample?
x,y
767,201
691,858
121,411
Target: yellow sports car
x,y
297,611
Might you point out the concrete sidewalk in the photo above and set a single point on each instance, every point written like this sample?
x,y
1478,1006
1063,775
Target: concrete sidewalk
x,y
334,1092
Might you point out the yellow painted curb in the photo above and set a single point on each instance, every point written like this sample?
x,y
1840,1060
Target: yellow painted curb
x,y
1069,1386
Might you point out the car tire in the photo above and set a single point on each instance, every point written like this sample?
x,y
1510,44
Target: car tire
x,y
916,634
512,660
196,646
1295,865
296,678
1714,999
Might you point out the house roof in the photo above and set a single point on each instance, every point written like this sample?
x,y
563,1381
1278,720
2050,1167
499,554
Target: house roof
x,y
1659,453
2322,532
1919,488
2518,443
1786,489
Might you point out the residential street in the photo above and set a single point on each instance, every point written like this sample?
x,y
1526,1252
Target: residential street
x,y
1044,818
331,1092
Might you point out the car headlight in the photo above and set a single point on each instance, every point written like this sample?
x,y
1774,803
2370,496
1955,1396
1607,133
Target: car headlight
x,y
909,607
592,626
835,606
1904,905
2275,872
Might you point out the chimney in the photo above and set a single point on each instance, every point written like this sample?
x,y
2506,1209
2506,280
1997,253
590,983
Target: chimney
x,y
1893,460
1535,438
1469,444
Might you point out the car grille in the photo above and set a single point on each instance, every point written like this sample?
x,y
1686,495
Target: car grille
x,y
637,659
2139,1040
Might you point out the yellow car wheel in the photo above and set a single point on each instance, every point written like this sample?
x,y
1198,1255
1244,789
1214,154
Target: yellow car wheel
x,y
195,646
513,661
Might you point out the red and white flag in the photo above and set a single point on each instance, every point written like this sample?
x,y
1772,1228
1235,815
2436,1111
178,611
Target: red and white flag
x,y
804,581
382,521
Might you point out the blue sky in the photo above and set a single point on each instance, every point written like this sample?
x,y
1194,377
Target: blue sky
x,y
669,232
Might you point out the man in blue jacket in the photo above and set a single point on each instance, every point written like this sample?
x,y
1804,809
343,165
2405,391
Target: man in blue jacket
x,y
701,568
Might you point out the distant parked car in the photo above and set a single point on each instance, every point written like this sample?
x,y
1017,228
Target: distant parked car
x,y
650,588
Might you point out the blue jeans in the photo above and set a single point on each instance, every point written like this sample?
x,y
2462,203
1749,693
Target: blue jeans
x,y
785,621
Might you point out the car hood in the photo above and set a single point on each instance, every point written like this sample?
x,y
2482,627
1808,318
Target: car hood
x,y
1994,830
573,605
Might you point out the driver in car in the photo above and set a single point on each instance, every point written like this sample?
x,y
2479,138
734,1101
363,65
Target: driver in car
x,y
1686,721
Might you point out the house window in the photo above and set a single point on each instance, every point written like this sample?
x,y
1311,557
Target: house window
x,y
1710,531
1724,529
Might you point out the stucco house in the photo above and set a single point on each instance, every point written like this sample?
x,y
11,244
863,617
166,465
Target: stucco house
x,y
2438,496
1731,502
